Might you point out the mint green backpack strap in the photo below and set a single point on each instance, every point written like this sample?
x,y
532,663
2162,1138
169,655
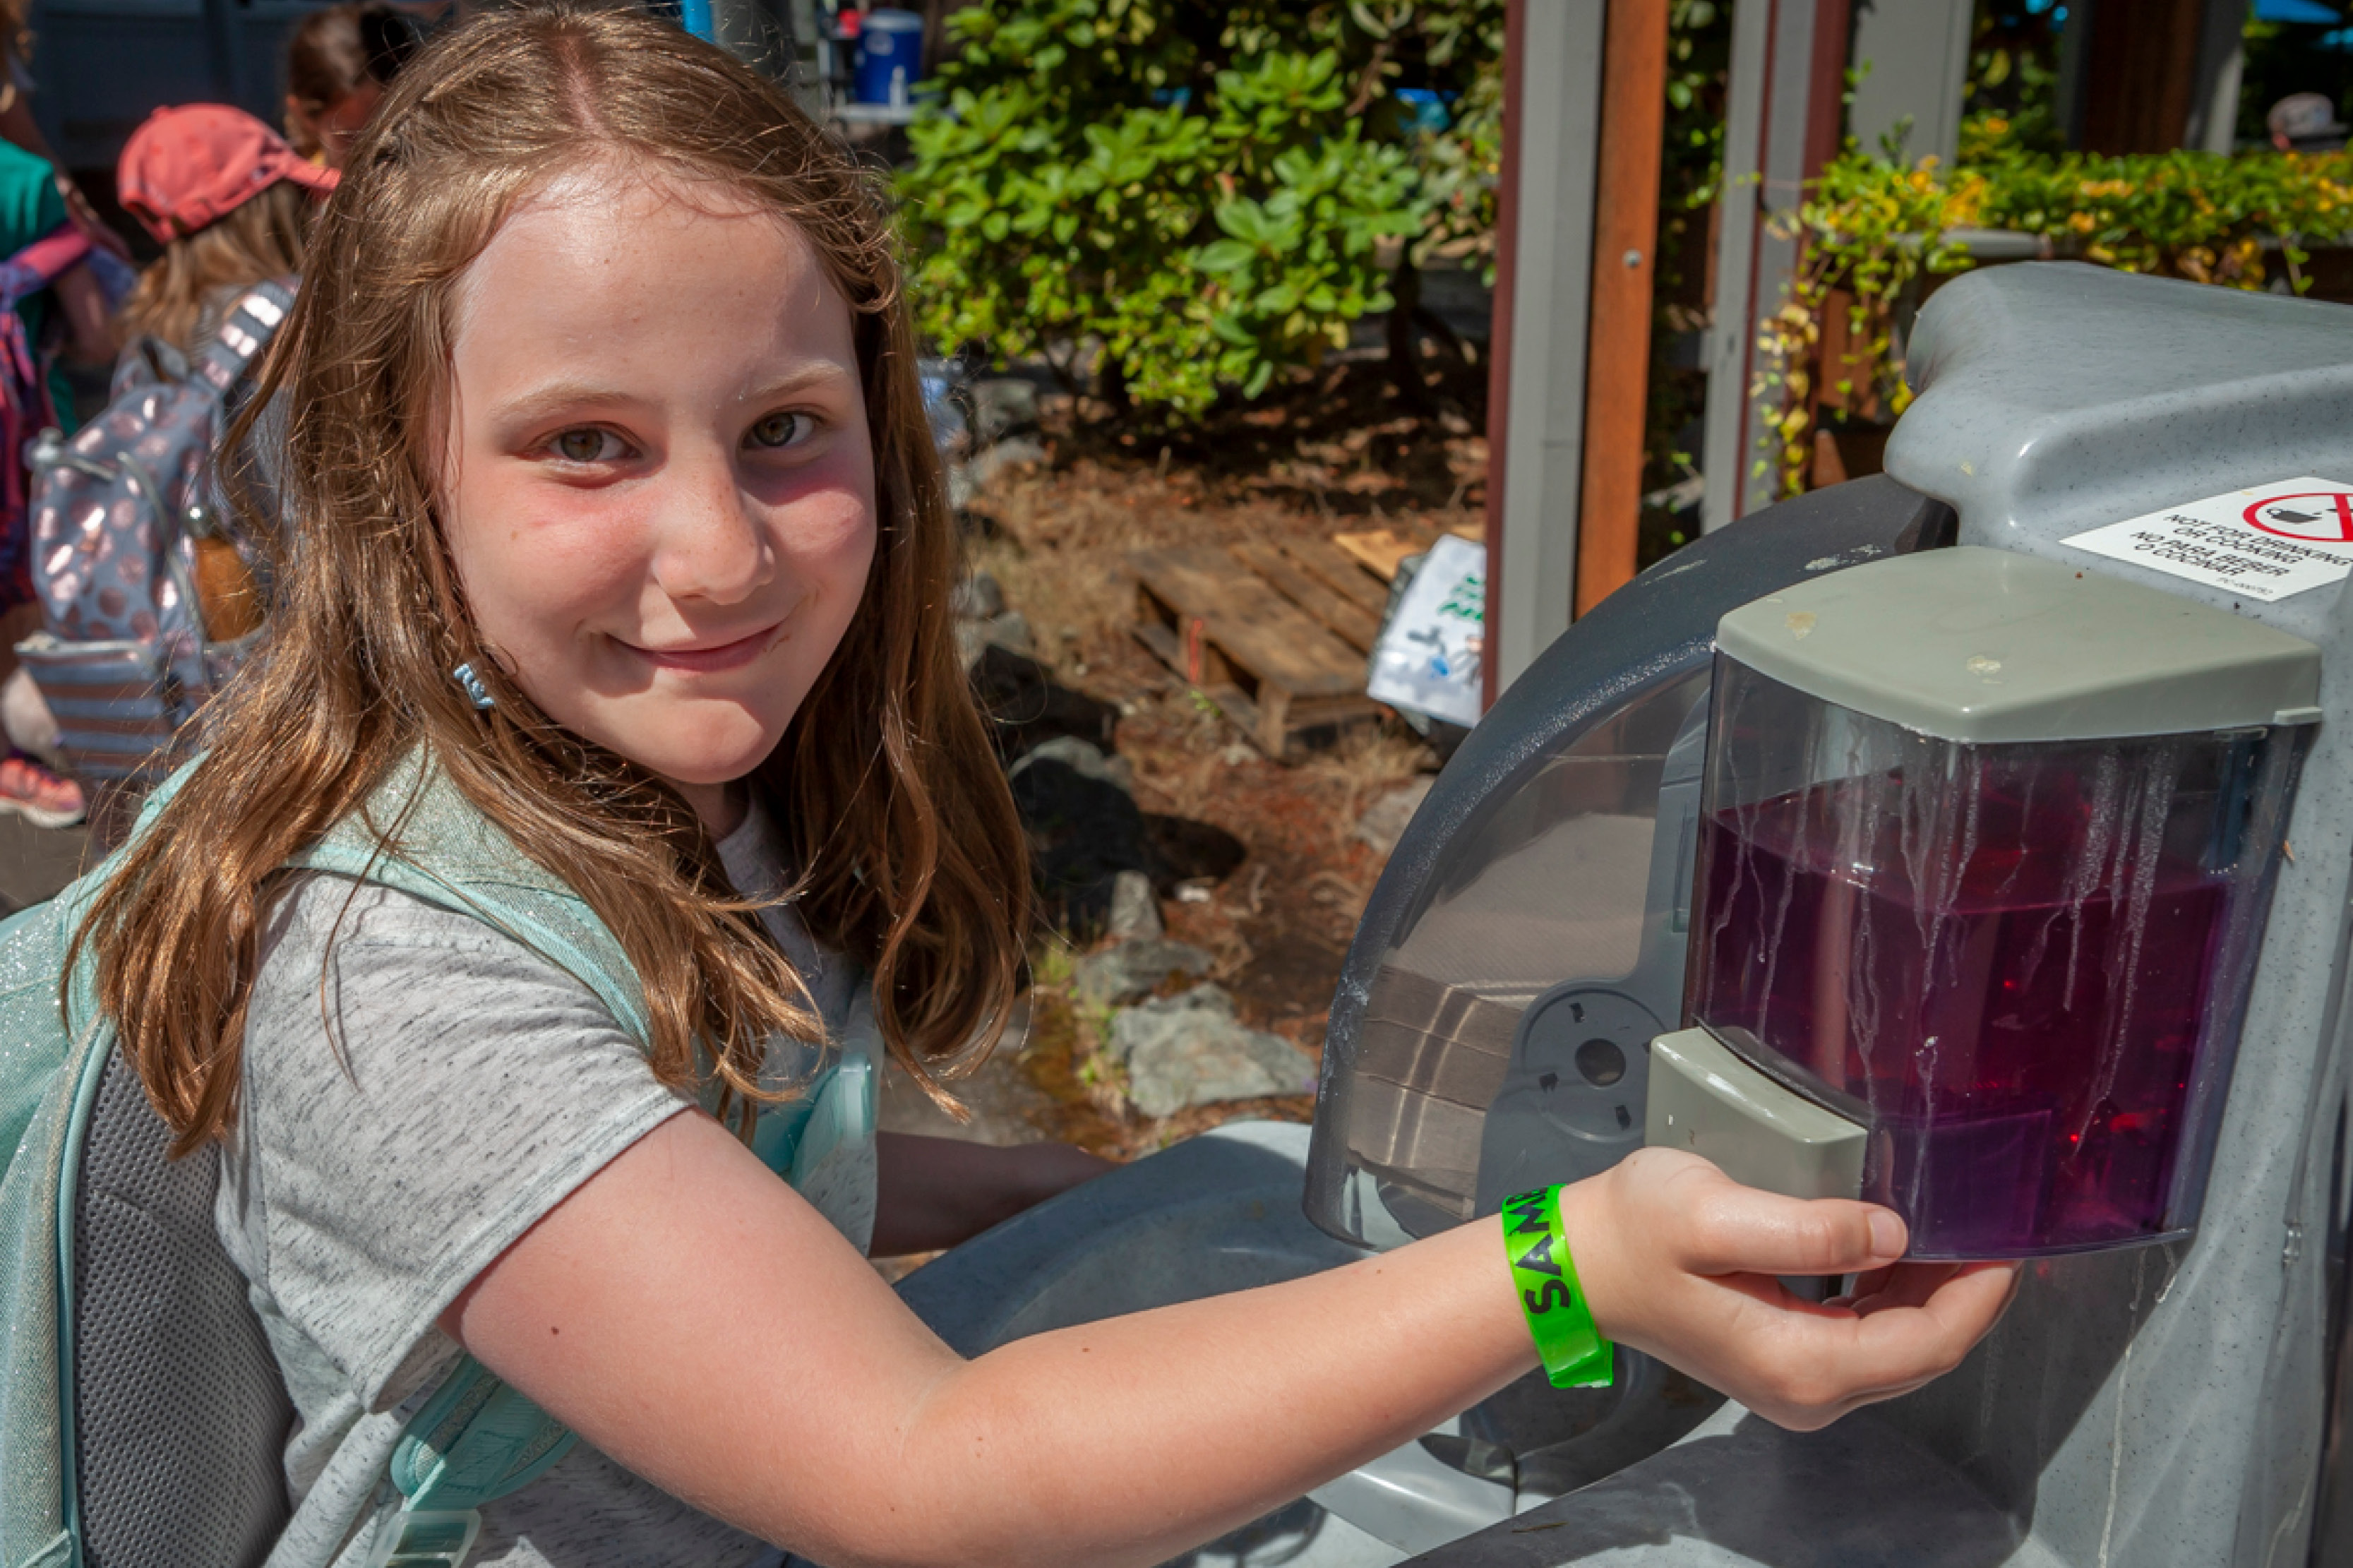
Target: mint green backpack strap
x,y
476,1441
448,854
47,1080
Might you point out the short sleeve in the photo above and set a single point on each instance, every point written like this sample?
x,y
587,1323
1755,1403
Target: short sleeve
x,y
31,206
419,1090
49,206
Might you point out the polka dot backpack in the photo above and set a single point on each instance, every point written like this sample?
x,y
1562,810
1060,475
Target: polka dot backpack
x,y
148,597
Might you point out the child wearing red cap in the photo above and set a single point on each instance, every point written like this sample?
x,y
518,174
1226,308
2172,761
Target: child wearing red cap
x,y
229,199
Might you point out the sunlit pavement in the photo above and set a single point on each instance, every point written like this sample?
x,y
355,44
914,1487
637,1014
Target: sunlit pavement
x,y
35,862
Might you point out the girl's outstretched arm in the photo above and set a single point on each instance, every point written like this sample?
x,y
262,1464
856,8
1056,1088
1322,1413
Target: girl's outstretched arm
x,y
690,1315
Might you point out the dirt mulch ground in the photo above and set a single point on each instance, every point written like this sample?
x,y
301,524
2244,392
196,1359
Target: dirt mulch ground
x,y
1345,453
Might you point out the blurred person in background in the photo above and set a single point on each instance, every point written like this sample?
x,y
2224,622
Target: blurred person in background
x,y
2304,122
61,319
338,63
18,127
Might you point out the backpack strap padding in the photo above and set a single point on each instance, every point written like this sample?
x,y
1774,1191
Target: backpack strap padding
x,y
246,331
474,1442
160,1322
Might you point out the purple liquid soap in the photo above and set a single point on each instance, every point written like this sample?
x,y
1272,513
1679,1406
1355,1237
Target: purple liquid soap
x,y
2013,985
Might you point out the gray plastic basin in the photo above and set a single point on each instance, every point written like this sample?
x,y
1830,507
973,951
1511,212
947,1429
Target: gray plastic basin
x,y
1213,1214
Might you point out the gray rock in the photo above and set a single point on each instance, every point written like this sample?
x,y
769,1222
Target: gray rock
x,y
1001,404
1082,757
1385,821
1132,970
978,598
1009,631
1188,1050
1134,909
993,464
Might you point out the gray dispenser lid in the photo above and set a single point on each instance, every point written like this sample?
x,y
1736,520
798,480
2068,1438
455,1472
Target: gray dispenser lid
x,y
1984,646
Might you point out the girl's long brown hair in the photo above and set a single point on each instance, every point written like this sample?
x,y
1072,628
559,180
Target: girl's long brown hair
x,y
259,238
900,827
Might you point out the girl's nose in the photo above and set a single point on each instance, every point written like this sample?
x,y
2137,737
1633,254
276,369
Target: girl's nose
x,y
710,544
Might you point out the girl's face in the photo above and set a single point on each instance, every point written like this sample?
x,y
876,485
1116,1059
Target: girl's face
x,y
658,486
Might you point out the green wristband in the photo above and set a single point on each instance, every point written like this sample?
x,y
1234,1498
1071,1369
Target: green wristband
x,y
1574,1353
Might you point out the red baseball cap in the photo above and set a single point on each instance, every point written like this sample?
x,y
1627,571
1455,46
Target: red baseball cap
x,y
193,166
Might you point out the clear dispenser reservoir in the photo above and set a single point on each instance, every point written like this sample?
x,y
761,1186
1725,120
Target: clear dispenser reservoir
x,y
1983,864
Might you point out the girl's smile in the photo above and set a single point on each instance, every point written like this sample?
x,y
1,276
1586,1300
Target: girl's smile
x,y
709,656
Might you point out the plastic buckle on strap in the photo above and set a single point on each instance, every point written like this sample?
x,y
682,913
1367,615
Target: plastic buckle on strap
x,y
426,1538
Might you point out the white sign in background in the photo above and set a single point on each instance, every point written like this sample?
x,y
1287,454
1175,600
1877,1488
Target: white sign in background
x,y
2265,543
1428,655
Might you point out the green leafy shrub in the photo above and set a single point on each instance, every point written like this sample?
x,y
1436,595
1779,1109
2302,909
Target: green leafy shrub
x,y
1872,228
1205,194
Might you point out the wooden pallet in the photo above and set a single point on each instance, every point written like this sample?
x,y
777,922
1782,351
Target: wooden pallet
x,y
1325,582
1378,549
1285,675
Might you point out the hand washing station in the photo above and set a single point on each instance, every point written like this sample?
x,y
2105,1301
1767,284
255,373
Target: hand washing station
x,y
1976,839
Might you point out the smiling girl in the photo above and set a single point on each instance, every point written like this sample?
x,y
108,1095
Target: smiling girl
x,y
603,399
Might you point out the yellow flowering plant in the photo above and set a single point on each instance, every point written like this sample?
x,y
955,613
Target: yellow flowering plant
x,y
1872,229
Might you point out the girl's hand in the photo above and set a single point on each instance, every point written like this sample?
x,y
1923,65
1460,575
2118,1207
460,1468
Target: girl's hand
x,y
1679,1260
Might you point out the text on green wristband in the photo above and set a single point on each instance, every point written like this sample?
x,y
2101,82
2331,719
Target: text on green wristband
x,y
1574,1353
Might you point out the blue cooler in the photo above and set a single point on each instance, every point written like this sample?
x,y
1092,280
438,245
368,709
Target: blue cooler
x,y
889,57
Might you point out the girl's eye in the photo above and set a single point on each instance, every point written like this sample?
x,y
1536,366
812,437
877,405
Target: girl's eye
x,y
586,446
777,430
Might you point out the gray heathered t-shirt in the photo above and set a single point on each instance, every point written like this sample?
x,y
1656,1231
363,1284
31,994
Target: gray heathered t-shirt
x,y
467,1087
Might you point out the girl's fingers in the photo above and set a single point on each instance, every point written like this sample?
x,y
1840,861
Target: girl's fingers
x,y
1908,1285
1696,1262
1903,1342
1733,1229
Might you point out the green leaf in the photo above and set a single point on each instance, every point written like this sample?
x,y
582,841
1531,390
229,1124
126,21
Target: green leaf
x,y
1245,220
1225,255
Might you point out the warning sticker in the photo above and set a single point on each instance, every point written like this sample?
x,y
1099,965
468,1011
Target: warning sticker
x,y
2266,544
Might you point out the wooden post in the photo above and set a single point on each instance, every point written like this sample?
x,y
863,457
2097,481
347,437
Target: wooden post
x,y
1535,412
1499,350
1625,236
1782,121
2141,74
